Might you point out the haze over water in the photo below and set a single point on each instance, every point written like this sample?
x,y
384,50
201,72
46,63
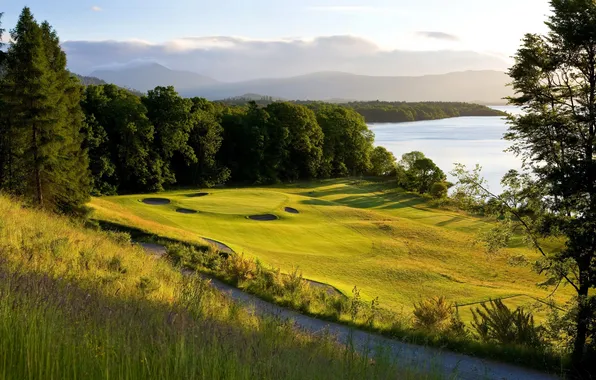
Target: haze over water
x,y
466,140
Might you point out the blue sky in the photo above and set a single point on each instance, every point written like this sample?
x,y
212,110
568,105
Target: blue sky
x,y
480,24
493,27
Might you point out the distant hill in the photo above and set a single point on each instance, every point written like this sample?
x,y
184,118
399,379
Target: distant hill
x,y
484,86
148,76
88,81
487,87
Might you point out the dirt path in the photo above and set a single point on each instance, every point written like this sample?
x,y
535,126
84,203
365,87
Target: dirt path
x,y
451,365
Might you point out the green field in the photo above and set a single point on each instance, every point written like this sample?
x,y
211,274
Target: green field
x,y
348,233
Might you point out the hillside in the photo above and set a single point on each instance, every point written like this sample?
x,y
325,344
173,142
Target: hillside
x,y
381,240
479,86
77,303
148,76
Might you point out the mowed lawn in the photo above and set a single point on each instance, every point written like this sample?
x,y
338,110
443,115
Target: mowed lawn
x,y
347,233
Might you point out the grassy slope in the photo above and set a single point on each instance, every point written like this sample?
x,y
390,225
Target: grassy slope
x,y
76,303
389,244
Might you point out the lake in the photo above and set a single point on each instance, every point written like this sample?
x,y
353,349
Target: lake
x,y
466,140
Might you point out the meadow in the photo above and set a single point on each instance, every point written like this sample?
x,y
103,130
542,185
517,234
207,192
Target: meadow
x,y
80,303
350,232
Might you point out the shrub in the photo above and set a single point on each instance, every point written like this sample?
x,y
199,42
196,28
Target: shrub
x,y
496,323
433,314
239,268
294,282
438,190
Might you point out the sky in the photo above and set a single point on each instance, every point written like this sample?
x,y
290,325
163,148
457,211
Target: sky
x,y
363,36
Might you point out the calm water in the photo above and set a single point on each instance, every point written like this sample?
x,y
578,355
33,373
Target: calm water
x,y
466,140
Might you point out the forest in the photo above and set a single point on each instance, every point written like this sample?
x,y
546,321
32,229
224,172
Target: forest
x,y
65,137
388,112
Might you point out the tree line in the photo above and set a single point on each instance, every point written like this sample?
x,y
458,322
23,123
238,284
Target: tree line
x,y
389,112
61,141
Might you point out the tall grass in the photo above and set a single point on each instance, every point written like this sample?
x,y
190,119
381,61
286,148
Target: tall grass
x,y
83,304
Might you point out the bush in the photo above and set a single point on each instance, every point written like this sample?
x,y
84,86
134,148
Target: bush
x,y
497,323
434,314
239,268
438,190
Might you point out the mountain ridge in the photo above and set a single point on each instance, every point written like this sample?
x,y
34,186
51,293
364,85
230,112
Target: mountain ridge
x,y
487,86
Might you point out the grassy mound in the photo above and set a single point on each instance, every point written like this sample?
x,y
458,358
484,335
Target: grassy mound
x,y
77,303
390,244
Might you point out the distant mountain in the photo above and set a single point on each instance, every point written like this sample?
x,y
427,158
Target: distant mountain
x,y
488,87
484,86
148,76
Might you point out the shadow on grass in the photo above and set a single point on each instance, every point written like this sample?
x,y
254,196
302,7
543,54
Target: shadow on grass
x,y
455,219
388,201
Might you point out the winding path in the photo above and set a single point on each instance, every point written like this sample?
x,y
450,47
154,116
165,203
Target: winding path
x,y
451,365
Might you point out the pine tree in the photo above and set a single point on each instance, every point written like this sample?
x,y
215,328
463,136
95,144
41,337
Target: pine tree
x,y
3,112
71,174
48,165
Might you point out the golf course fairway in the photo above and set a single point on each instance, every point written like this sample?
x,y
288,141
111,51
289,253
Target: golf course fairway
x,y
345,233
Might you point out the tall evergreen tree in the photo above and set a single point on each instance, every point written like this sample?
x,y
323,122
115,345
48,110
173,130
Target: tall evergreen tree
x,y
71,174
47,164
4,130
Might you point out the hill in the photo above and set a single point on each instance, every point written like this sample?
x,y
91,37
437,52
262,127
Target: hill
x,y
479,86
79,303
384,241
485,86
87,81
148,76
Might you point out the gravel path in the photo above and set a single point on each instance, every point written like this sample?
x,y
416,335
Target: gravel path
x,y
451,365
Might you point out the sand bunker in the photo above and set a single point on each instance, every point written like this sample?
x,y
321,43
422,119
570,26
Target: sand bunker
x,y
291,210
186,211
194,195
156,201
264,217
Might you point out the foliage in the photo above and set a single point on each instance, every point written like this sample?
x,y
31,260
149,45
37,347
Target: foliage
x,y
59,321
439,190
41,157
555,194
434,314
387,112
348,142
416,172
382,162
497,323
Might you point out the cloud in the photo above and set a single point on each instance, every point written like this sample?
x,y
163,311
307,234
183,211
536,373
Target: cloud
x,y
438,36
95,8
234,58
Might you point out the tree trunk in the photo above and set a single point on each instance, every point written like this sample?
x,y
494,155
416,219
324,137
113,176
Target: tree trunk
x,y
36,169
583,316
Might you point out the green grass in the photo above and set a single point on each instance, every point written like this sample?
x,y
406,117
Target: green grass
x,y
77,303
389,243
